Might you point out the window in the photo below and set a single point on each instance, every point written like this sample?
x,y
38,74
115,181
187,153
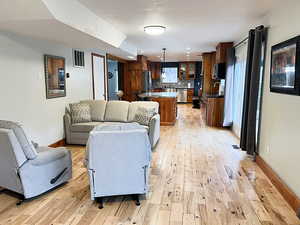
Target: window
x,y
170,75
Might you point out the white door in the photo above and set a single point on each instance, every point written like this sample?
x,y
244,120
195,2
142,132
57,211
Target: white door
x,y
99,90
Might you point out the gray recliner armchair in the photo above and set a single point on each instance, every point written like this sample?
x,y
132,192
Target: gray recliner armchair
x,y
27,169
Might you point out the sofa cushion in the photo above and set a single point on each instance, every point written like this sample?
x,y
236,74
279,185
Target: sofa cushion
x,y
144,115
84,127
28,148
116,111
145,104
97,109
80,112
87,127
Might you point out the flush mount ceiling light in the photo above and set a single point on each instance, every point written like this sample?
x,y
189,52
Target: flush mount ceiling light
x,y
154,29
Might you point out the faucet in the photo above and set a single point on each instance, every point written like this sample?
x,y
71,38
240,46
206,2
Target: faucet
x,y
217,82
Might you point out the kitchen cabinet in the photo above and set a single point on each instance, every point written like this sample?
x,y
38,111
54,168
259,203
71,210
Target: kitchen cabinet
x,y
187,70
221,53
167,110
215,111
155,68
208,64
190,94
142,61
213,63
133,78
191,70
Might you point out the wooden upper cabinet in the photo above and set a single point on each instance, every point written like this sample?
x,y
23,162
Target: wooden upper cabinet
x,y
140,64
155,68
136,80
183,70
142,60
187,70
221,53
209,60
191,70
213,63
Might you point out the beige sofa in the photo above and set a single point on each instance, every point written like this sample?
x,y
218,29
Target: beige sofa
x,y
110,112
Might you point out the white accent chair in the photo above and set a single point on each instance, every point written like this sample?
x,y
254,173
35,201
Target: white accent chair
x,y
27,170
118,159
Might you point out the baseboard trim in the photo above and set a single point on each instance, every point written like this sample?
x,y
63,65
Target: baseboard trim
x,y
284,190
59,143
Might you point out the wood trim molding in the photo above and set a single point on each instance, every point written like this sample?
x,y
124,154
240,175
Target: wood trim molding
x,y
284,190
116,58
59,143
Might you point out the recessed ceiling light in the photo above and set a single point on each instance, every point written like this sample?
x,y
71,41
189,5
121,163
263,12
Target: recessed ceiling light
x,y
130,57
154,29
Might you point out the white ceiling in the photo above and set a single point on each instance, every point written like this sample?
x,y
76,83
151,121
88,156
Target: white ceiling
x,y
195,24
58,21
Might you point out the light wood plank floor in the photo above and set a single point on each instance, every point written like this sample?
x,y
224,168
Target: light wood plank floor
x,y
197,178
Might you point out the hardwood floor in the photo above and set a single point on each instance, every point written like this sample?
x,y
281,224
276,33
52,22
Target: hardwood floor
x,y
197,178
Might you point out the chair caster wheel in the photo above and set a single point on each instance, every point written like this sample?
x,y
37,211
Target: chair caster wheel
x,y
100,201
19,202
137,200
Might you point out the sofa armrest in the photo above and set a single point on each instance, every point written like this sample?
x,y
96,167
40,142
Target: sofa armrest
x,y
67,126
154,130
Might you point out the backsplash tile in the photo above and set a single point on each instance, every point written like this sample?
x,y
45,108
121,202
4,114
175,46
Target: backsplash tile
x,y
179,84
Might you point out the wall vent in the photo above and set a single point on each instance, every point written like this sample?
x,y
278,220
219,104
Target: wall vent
x,y
78,58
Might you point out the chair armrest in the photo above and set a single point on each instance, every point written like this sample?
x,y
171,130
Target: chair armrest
x,y
47,156
154,129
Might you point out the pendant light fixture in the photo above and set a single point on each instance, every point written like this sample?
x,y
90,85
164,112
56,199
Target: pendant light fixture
x,y
163,73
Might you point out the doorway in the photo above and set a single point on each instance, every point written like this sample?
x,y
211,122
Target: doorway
x,y
98,77
115,72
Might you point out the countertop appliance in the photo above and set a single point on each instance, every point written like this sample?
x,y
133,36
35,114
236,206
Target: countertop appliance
x,y
220,71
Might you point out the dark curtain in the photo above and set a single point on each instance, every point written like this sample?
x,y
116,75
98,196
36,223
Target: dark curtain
x,y
248,141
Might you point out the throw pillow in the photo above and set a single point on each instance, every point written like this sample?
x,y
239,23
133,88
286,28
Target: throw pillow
x,y
144,115
80,112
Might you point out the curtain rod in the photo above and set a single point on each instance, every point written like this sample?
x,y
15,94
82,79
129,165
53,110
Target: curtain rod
x,y
241,42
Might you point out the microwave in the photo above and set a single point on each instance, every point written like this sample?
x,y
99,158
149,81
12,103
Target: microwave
x,y
220,71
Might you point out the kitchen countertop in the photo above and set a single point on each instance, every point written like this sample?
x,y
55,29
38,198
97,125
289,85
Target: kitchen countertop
x,y
214,96
158,95
184,88
176,88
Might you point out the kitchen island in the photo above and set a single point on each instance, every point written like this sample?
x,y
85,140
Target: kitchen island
x,y
167,105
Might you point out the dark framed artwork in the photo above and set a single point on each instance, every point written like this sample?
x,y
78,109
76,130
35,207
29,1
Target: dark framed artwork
x,y
285,67
55,76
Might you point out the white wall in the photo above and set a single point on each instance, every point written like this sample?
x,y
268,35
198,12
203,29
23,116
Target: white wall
x,y
22,86
280,131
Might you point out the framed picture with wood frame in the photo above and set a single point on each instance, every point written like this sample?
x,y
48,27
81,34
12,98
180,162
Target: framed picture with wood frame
x,y
55,76
285,67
